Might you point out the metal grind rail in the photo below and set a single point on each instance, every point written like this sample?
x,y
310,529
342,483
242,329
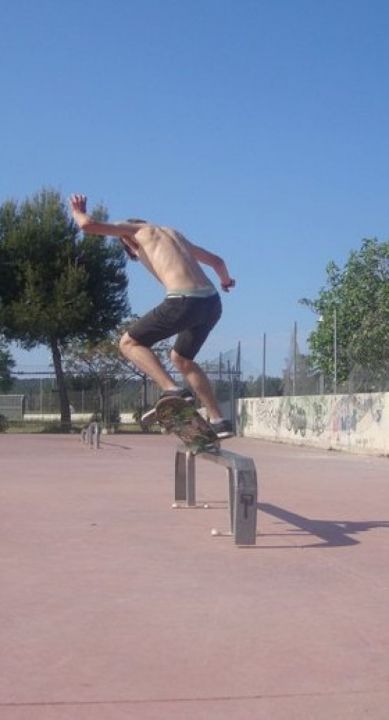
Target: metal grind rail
x,y
242,484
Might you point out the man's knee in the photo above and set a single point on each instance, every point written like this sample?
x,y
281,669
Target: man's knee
x,y
182,363
126,343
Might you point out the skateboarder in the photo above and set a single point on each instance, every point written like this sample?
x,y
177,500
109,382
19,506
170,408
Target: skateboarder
x,y
190,310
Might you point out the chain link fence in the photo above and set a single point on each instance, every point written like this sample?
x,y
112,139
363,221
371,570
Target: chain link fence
x,y
115,400
230,376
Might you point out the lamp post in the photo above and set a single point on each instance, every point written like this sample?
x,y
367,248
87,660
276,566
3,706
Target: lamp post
x,y
334,349
263,366
294,376
335,329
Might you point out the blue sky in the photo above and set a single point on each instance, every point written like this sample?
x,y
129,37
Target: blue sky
x,y
258,128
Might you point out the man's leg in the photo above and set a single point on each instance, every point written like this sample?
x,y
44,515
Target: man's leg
x,y
147,361
199,382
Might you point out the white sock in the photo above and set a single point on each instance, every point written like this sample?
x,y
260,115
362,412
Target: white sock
x,y
215,421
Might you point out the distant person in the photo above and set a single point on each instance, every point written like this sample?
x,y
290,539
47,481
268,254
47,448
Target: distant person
x,y
190,310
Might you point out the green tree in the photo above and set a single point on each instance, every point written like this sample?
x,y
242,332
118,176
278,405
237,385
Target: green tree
x,y
6,364
353,311
56,285
102,364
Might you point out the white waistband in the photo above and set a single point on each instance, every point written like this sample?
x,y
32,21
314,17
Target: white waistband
x,y
192,292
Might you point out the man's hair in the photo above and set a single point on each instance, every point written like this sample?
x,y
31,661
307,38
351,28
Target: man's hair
x,y
127,249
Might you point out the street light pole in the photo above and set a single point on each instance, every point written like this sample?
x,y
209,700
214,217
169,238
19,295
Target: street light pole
x,y
294,377
263,365
335,352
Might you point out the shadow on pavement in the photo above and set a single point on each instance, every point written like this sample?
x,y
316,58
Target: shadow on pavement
x,y
334,533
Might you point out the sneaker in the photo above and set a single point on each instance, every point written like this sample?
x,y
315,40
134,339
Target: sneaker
x,y
223,429
183,393
149,417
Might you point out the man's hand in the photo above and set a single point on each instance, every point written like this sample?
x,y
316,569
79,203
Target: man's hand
x,y
78,203
227,285
78,208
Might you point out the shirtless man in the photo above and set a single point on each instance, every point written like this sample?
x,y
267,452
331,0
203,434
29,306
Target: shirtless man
x,y
190,310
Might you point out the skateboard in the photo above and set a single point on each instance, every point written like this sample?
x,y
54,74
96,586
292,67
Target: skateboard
x,y
177,416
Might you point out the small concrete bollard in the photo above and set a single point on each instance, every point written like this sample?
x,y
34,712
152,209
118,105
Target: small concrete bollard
x,y
90,435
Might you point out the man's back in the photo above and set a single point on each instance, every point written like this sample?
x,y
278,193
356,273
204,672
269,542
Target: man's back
x,y
168,255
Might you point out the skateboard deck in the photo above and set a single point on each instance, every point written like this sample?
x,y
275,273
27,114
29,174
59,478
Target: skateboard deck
x,y
181,418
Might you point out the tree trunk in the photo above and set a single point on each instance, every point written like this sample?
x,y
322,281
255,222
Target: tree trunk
x,y
62,391
101,411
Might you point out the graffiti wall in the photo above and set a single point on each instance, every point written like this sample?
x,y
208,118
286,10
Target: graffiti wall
x,y
349,422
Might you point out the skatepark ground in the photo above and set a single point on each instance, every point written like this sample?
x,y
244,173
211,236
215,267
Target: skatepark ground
x,y
116,606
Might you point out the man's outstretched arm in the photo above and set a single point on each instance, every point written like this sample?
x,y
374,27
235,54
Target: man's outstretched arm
x,y
86,222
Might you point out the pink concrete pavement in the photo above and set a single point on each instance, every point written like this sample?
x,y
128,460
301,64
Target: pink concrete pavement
x,y
115,606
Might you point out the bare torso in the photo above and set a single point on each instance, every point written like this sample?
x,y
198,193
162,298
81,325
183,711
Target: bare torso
x,y
168,255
